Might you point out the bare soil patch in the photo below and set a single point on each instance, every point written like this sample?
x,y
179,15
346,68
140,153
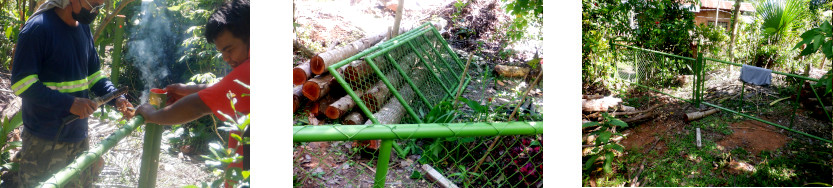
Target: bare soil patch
x,y
754,136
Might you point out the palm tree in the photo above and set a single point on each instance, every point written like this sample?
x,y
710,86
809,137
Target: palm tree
x,y
779,16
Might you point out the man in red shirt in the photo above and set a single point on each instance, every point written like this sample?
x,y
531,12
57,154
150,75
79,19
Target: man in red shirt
x,y
228,29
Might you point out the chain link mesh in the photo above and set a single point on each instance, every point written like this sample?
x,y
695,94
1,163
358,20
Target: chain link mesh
x,y
422,70
513,161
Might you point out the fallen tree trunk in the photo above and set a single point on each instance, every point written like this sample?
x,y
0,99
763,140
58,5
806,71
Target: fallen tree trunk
x,y
354,118
511,71
301,73
640,117
625,113
340,107
320,62
697,115
297,98
379,93
599,105
357,70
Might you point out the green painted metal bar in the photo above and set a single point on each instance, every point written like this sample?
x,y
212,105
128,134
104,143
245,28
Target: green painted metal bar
x,y
382,45
398,43
654,51
115,69
694,65
431,67
62,177
773,71
382,164
433,73
767,122
393,90
820,102
356,99
407,79
323,133
447,48
439,56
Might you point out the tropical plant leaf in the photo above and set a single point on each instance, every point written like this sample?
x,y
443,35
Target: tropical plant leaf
x,y
603,138
618,122
617,147
589,124
590,162
608,162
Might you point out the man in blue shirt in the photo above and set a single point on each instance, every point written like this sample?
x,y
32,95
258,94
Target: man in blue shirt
x,y
55,69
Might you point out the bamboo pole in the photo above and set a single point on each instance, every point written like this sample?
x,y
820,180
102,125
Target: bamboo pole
x,y
115,70
86,159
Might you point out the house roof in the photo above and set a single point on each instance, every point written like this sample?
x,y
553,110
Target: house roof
x,y
726,5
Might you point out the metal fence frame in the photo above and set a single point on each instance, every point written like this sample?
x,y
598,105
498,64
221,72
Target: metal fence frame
x,y
698,67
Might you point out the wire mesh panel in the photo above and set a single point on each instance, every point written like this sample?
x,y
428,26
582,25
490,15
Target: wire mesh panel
x,y
656,70
452,152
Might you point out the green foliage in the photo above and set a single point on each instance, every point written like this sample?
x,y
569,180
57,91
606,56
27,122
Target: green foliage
x,y
525,12
779,17
8,125
602,20
221,156
819,39
603,147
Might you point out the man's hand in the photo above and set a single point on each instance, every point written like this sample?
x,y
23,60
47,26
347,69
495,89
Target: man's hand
x,y
146,110
82,107
124,107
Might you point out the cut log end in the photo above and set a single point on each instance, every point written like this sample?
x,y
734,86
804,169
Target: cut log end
x,y
332,112
316,65
299,76
354,118
371,102
311,91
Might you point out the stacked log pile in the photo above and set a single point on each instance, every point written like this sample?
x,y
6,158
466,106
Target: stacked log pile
x,y
317,94
592,107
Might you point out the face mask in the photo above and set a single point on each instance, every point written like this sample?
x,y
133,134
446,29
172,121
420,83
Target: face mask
x,y
86,16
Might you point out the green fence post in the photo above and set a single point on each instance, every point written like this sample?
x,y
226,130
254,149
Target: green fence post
x,y
382,163
115,68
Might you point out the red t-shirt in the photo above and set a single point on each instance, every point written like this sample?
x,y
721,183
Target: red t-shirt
x,y
215,97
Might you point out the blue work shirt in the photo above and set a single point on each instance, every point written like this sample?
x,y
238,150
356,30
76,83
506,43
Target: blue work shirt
x,y
53,64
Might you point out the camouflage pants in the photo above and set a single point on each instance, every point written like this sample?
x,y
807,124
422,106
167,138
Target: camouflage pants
x,y
39,161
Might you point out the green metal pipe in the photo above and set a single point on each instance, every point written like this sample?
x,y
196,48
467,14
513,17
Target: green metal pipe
x,y
382,164
653,51
398,43
419,49
813,88
393,90
87,158
439,56
384,44
352,94
115,69
433,73
412,131
433,68
773,71
407,79
447,48
767,122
